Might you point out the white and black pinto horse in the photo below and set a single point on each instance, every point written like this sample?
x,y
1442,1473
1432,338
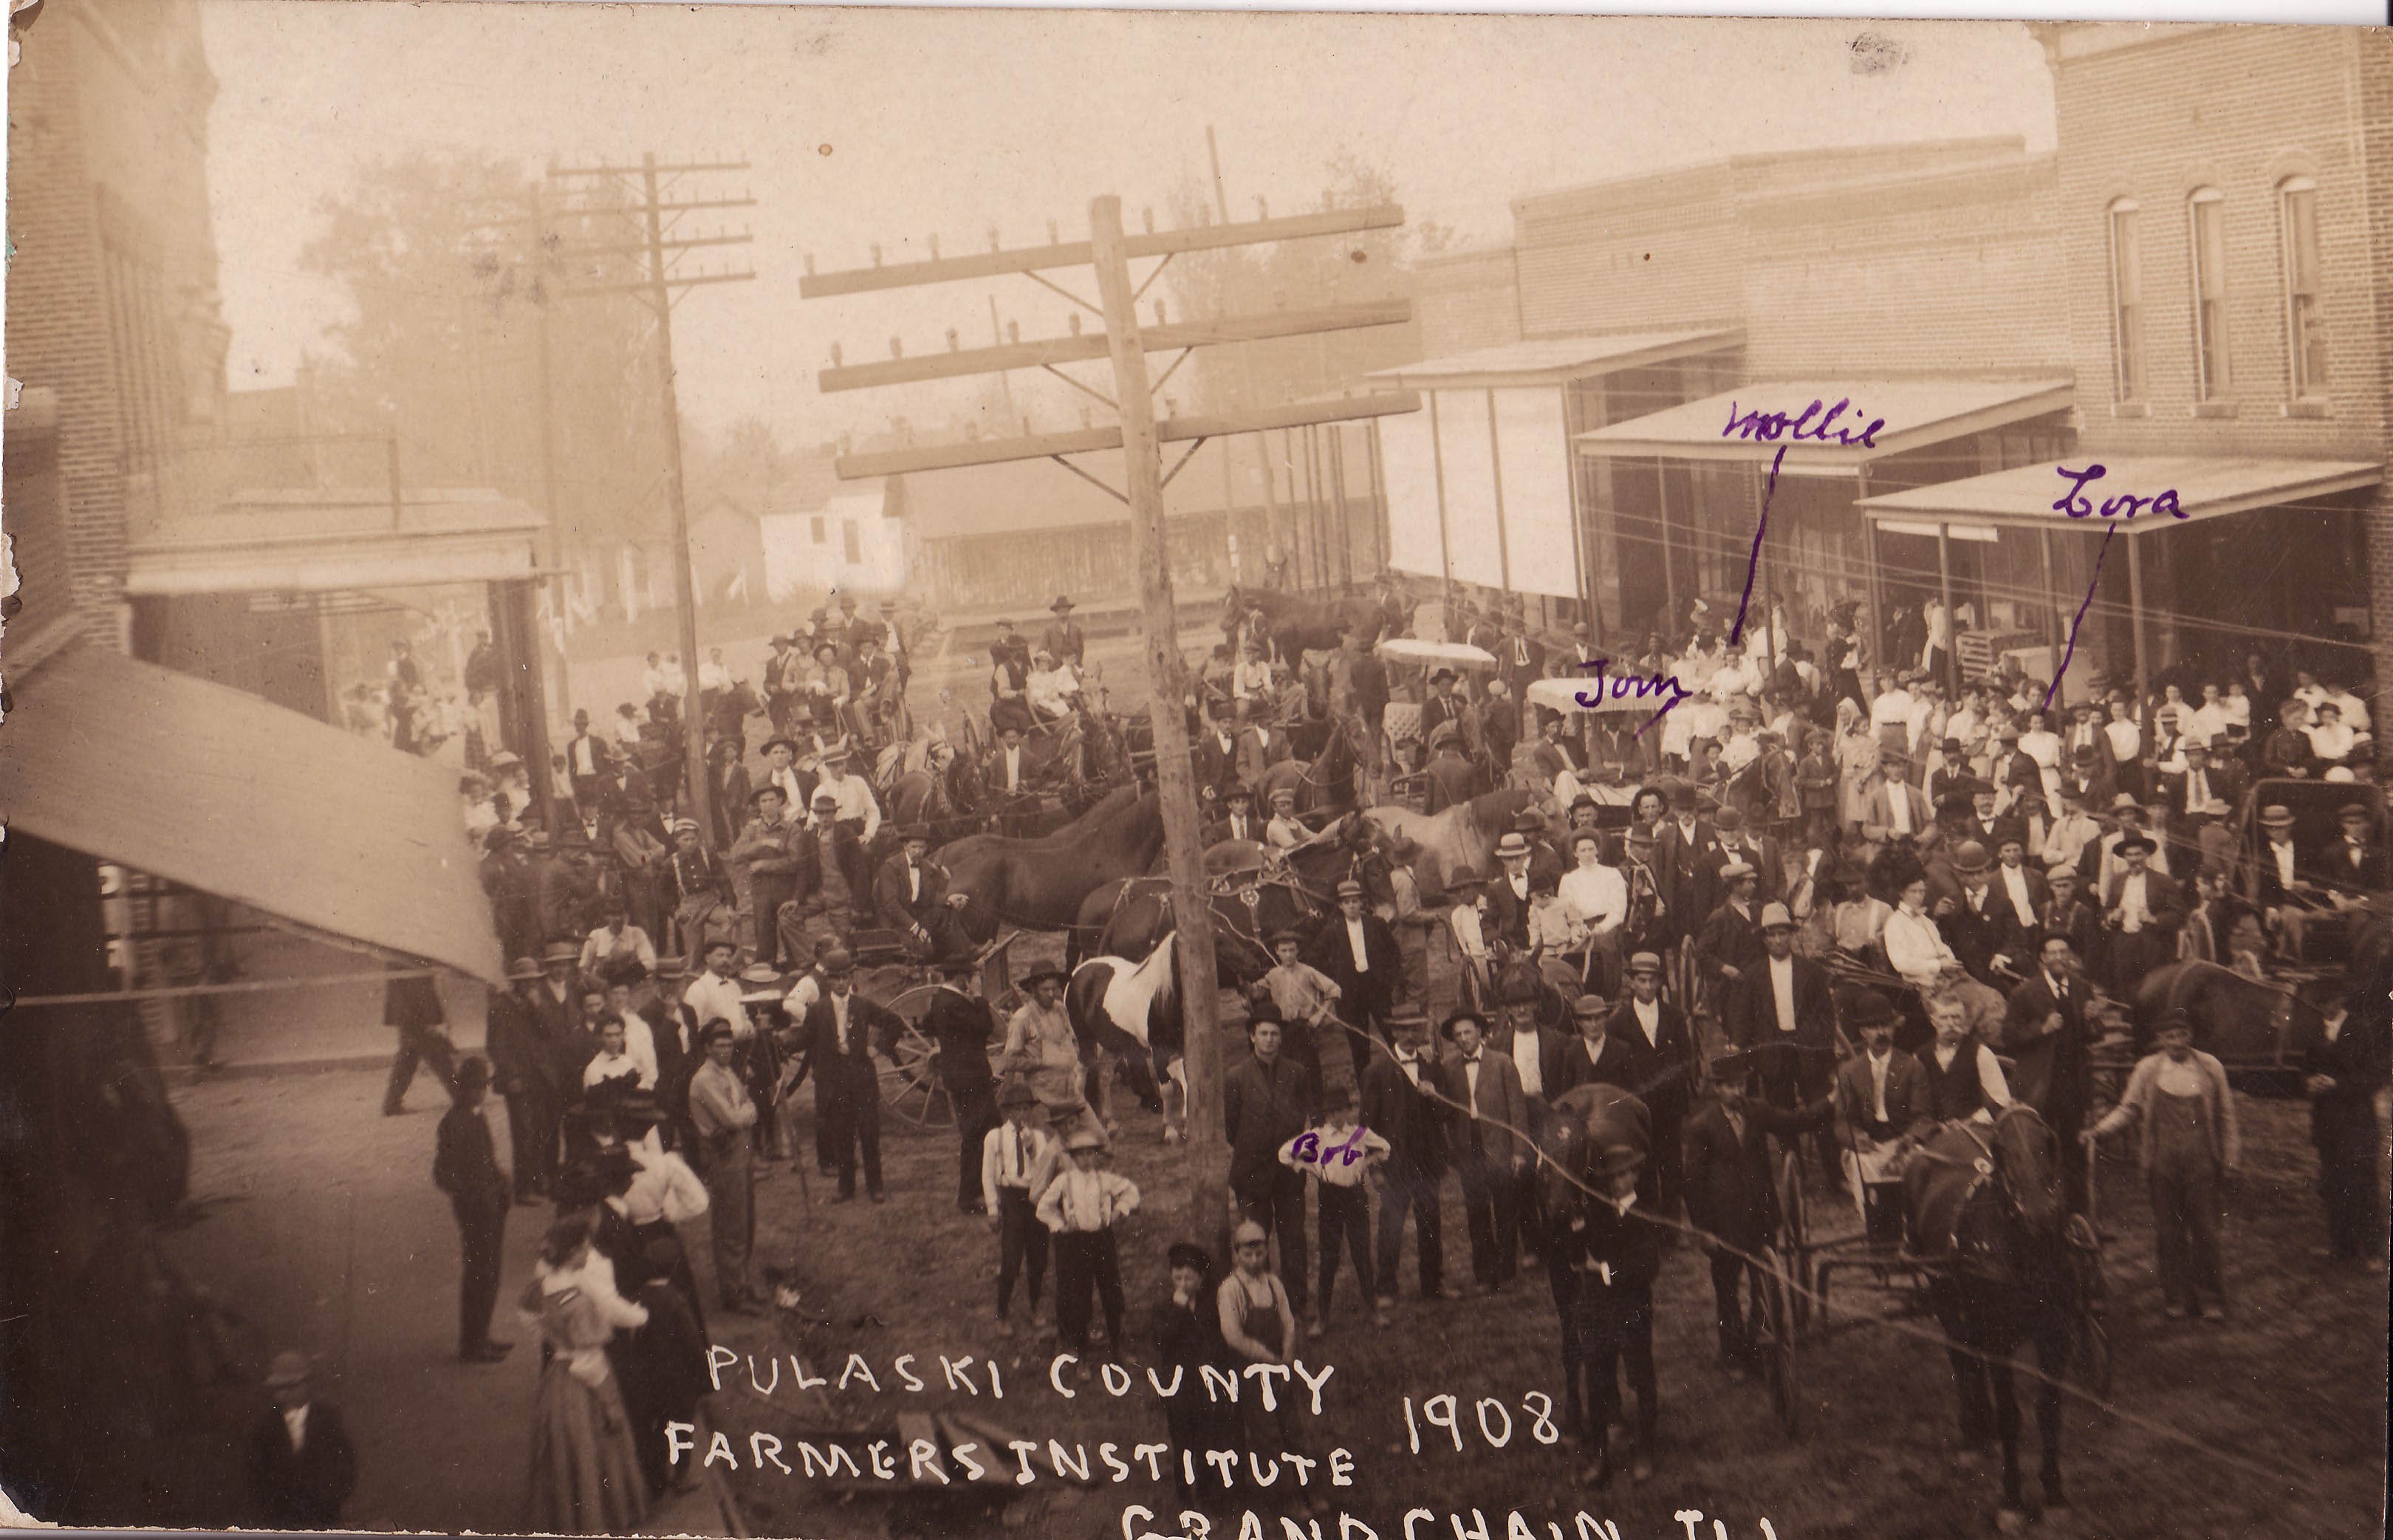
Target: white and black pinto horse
x,y
1131,1010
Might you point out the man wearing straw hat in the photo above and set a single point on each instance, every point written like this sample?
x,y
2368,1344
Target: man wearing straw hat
x,y
722,1112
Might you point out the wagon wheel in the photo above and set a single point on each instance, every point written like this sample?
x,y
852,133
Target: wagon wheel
x,y
2089,1345
910,1086
1775,1342
1794,1237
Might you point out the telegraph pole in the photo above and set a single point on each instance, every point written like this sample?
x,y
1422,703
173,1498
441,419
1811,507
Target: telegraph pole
x,y
658,283
1140,436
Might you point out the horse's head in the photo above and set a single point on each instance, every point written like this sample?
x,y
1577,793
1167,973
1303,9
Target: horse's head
x,y
1565,1168
2027,1164
1234,609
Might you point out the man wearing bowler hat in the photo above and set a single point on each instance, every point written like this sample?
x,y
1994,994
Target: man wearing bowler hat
x,y
911,898
301,1464
1064,640
1401,1102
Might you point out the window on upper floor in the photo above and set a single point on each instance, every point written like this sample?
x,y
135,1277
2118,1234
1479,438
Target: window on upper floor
x,y
2212,376
2126,303
2305,321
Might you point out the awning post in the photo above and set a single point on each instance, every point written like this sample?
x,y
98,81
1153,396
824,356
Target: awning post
x,y
1944,590
2136,608
1445,540
1869,541
1670,577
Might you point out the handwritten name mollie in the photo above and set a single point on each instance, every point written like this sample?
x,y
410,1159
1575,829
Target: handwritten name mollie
x,y
1769,427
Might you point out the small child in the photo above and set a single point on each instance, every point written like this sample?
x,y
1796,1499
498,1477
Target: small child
x,y
1081,1205
1285,831
2191,1148
1338,1155
1305,997
1617,1255
1017,1161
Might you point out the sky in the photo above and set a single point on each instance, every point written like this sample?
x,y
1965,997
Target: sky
x,y
890,125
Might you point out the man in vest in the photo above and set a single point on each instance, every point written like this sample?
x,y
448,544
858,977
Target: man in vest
x,y
1963,1078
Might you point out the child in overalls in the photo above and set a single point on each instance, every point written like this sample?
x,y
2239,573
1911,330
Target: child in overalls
x,y
2190,1149
1259,1327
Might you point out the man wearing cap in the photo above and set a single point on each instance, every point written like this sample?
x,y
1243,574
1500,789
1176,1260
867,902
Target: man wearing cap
x,y
1358,951
960,1024
1042,1048
912,896
301,1465
1729,947
2189,792
767,850
1891,807
1659,1034
722,1113
466,1166
1881,1111
1486,1139
1239,822
1646,924
839,1032
2141,909
1401,1102
1594,1057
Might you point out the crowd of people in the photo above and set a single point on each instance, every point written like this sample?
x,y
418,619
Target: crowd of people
x,y
1819,857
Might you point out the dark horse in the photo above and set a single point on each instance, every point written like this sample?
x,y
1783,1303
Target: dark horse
x,y
1985,1202
1039,884
1300,623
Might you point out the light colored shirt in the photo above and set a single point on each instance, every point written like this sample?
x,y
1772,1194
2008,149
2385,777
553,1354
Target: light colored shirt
x,y
604,945
2283,856
608,1066
714,999
1087,1201
1329,1164
2132,910
1878,1065
1989,1076
1524,1059
1781,990
854,801
1649,1020
1916,948
1898,807
719,1102
1595,898
1017,1158
1355,944
295,1422
663,1187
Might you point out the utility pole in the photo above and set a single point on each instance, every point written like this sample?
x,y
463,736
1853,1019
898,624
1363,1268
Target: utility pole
x,y
1140,437
660,284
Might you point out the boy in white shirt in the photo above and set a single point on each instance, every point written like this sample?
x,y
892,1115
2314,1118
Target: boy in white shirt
x,y
1338,1155
1017,1161
1081,1207
1306,998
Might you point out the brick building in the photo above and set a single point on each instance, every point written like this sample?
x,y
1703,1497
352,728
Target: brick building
x,y
1913,279
2226,227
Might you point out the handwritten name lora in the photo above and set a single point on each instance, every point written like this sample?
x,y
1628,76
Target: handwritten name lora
x,y
2076,505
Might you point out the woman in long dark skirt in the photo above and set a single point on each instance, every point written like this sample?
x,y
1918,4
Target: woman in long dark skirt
x,y
1188,1338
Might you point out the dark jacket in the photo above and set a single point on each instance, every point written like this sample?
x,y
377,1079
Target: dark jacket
x,y
1263,1106
1552,1048
806,851
1812,1065
1983,929
1371,991
961,1026
901,912
2343,1118
870,1027
1630,1244
2053,1071
302,1488
1689,879
1907,1096
1412,1119
1671,1069
1726,1176
1628,1062
464,1162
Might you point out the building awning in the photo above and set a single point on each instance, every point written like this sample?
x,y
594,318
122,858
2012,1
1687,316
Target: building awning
x,y
232,795
2206,486
322,541
1915,414
1557,360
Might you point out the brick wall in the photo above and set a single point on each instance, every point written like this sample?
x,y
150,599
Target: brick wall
x,y
1465,301
2375,79
108,111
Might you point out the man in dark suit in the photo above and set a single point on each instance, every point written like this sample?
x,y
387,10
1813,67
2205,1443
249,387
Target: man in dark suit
x,y
302,1466
1683,859
1508,895
1731,1197
960,1023
1728,946
2346,1071
911,898
1881,1110
465,1165
1983,929
828,883
1739,842
1599,1057
1484,1088
840,1031
1499,725
527,1066
1239,822
2141,911
1645,1020
1359,951
1401,1104
1267,1100
1453,779
2356,864
1948,785
2189,792
1443,704
2048,1030
1523,661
